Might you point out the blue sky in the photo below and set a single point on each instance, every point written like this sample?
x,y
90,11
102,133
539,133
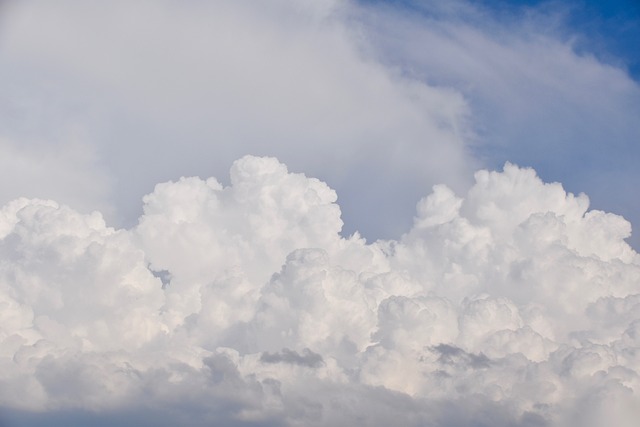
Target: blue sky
x,y
611,28
608,29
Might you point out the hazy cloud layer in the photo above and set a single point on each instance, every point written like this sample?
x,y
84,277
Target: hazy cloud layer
x,y
512,304
160,90
125,95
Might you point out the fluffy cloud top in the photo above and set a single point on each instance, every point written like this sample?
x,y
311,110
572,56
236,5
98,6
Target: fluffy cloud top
x,y
242,304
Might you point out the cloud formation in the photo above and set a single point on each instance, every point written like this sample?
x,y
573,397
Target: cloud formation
x,y
512,304
195,86
538,93
124,96
242,300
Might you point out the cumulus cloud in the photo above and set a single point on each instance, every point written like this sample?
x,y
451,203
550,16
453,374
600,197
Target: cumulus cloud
x,y
245,299
511,304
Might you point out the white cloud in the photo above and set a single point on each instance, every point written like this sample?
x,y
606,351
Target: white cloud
x,y
495,306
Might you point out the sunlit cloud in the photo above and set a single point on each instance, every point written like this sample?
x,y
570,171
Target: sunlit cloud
x,y
515,296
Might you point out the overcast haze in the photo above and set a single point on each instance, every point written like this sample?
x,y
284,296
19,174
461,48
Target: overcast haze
x,y
319,213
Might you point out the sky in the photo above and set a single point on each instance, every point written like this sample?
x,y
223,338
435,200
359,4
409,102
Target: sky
x,y
337,212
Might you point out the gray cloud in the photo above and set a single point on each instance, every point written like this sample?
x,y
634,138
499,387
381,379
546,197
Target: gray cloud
x,y
308,358
318,102
452,355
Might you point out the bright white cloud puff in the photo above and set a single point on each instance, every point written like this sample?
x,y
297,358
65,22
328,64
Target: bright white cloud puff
x,y
243,305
